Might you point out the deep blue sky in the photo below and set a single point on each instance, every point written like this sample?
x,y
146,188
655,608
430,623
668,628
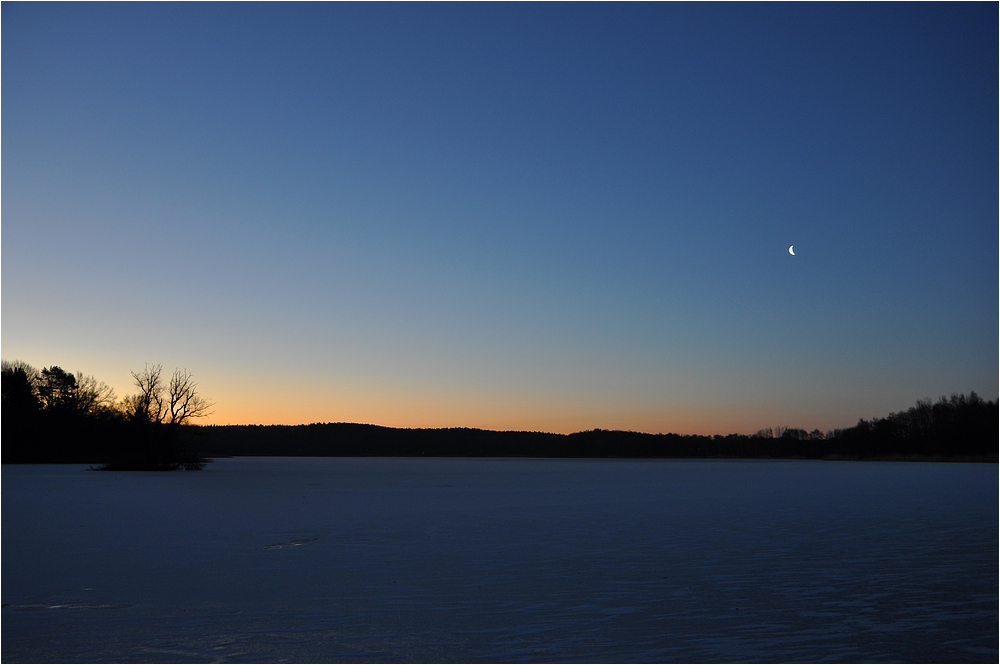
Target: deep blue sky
x,y
528,216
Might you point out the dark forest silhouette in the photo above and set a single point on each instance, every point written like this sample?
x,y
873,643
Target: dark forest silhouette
x,y
959,428
53,416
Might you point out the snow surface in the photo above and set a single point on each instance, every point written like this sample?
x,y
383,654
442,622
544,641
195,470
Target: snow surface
x,y
472,560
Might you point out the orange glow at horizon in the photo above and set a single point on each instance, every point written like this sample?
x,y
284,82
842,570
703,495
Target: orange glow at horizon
x,y
555,416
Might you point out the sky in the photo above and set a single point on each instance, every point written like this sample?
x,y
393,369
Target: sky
x,y
551,217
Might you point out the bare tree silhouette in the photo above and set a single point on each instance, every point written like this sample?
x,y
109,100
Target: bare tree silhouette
x,y
183,401
174,404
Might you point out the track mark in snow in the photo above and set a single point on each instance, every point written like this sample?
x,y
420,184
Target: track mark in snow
x,y
34,607
292,543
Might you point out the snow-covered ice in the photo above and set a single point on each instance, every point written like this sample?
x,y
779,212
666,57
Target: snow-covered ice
x,y
472,560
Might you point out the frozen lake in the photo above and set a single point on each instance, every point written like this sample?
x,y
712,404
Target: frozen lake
x,y
471,560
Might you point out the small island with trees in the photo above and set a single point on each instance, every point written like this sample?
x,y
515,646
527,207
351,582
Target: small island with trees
x,y
52,416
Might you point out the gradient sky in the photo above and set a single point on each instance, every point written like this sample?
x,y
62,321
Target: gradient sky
x,y
531,216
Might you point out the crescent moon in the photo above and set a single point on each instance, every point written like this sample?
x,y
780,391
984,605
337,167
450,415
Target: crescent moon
x,y
790,248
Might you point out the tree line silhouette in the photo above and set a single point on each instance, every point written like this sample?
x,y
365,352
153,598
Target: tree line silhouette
x,y
53,416
959,428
